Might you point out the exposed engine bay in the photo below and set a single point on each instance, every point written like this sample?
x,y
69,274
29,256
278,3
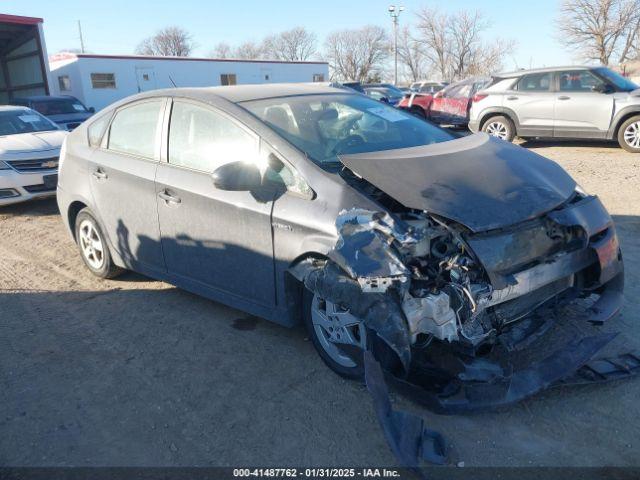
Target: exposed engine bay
x,y
443,302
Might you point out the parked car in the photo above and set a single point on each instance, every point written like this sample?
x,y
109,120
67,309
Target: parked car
x,y
294,202
65,110
29,150
427,86
561,102
417,104
386,95
451,105
357,86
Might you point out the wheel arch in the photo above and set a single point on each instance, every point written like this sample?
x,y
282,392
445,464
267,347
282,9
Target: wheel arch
x,y
621,117
72,213
499,111
294,282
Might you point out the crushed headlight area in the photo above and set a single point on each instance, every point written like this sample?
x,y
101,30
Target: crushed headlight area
x,y
462,321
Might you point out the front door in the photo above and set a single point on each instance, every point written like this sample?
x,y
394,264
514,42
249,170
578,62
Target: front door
x,y
213,239
122,174
146,78
582,108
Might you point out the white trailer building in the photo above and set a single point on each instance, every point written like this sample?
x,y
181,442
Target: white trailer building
x,y
99,80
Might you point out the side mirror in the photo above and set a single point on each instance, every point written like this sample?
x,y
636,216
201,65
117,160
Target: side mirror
x,y
92,110
237,177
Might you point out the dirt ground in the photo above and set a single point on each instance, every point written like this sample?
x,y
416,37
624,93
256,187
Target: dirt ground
x,y
134,372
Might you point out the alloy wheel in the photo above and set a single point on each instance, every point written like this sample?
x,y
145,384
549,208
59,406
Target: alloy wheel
x,y
497,129
632,135
334,325
91,244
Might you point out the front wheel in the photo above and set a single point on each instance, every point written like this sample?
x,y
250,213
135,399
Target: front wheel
x,y
500,127
629,135
333,330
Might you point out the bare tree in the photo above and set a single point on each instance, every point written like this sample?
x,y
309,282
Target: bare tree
x,y
221,50
249,50
297,44
411,55
170,41
600,29
453,43
357,54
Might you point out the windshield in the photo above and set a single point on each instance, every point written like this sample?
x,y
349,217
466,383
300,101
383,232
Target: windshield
x,y
59,106
325,126
620,82
23,120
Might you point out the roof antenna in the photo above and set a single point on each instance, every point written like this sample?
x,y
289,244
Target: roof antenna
x,y
174,83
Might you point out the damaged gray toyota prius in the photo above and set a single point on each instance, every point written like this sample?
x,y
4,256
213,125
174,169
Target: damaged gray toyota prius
x,y
402,247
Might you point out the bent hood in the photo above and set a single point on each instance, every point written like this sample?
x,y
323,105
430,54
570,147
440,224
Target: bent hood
x,y
31,142
479,181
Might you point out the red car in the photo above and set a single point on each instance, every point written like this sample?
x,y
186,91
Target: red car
x,y
416,103
451,105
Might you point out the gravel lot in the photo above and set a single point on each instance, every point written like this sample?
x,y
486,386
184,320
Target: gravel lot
x,y
135,372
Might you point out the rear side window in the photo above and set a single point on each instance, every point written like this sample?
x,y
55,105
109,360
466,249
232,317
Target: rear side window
x,y
96,130
536,82
134,129
203,139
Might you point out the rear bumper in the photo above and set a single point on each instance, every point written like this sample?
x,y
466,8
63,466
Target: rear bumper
x,y
19,187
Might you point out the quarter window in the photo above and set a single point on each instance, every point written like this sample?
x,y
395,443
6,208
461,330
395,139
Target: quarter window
x,y
536,82
202,139
103,80
578,81
96,130
134,129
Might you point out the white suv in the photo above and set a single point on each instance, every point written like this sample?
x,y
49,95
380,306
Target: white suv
x,y
29,149
562,102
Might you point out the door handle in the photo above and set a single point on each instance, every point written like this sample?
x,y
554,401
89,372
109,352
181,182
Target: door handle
x,y
167,197
100,174
512,98
564,97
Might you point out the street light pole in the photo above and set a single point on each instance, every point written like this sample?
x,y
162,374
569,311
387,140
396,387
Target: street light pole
x,y
395,13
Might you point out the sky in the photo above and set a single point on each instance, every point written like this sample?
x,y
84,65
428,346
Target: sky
x,y
117,26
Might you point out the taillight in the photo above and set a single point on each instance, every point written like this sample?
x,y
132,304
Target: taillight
x,y
477,98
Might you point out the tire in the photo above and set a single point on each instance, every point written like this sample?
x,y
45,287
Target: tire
x,y
90,241
418,112
629,134
501,127
340,363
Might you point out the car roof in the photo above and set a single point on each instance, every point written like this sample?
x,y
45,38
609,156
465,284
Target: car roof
x,y
40,98
245,93
518,73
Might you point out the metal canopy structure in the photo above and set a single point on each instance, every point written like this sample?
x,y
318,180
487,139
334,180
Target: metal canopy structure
x,y
23,70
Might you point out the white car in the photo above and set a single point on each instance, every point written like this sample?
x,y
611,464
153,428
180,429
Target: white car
x,y
29,149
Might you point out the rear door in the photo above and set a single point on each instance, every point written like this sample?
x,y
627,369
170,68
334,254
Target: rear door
x,y
122,179
212,239
581,110
532,99
458,104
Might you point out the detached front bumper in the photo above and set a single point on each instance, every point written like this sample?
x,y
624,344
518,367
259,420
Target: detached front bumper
x,y
19,187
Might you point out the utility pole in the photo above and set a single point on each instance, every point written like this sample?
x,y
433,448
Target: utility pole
x,y
395,11
81,39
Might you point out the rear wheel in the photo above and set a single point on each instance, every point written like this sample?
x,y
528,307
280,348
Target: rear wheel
x,y
501,127
93,246
629,135
331,327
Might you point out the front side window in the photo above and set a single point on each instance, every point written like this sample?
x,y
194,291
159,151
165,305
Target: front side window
x,y
578,81
103,80
134,129
535,82
23,120
325,126
203,139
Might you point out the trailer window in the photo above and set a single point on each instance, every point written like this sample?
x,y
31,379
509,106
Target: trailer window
x,y
64,83
227,79
103,80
